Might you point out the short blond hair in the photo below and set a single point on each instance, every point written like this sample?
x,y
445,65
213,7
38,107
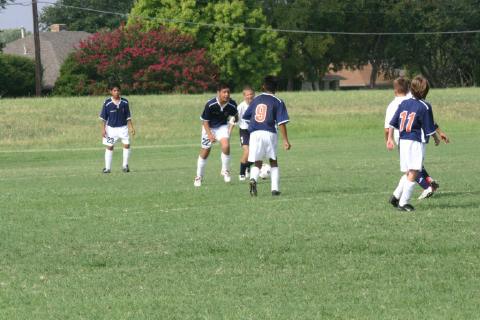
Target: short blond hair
x,y
419,87
401,84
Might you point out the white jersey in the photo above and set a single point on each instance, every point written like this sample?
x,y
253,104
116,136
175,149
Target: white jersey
x,y
391,109
241,108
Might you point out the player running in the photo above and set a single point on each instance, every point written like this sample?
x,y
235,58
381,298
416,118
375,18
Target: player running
x,y
116,120
215,117
266,112
414,121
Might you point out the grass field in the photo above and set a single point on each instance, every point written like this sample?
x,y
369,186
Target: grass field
x,y
76,244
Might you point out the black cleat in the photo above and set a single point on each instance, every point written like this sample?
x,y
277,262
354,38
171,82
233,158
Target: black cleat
x,y
393,201
276,193
105,170
253,188
407,207
126,169
434,185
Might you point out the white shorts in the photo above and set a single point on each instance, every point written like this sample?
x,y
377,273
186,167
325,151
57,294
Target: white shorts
x,y
116,133
411,155
263,144
219,134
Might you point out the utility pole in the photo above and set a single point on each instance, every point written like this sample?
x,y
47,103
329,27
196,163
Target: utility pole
x,y
36,40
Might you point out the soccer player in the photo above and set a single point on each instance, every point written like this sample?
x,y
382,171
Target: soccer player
x,y
414,121
401,91
248,95
116,120
264,114
215,118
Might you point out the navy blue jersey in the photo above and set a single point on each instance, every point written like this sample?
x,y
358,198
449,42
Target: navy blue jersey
x,y
414,120
115,115
265,112
218,115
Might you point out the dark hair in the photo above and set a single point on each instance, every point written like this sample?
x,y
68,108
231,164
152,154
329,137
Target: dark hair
x,y
113,85
270,83
419,87
402,84
222,85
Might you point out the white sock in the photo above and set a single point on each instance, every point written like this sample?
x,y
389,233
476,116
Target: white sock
x,y
398,191
275,177
126,155
225,162
254,172
408,187
108,159
201,166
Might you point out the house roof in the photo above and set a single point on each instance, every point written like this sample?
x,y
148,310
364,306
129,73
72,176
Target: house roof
x,y
54,49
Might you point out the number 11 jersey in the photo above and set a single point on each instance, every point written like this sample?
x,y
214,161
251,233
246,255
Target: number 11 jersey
x,y
266,112
414,120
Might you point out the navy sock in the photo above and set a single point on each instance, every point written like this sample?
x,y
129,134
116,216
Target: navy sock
x,y
422,180
243,168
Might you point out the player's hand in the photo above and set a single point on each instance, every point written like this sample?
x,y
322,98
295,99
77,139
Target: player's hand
x,y
444,137
132,131
211,137
437,141
390,144
287,145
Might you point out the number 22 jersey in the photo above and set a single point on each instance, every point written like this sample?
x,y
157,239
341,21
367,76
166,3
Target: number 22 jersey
x,y
265,112
414,120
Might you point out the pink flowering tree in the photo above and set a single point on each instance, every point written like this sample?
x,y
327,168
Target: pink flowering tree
x,y
157,61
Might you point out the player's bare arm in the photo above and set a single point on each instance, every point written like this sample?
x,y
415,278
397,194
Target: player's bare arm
x,y
385,131
443,136
390,143
104,130
210,135
283,132
130,125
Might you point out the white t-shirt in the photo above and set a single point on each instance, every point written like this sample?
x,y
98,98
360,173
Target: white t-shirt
x,y
241,108
391,109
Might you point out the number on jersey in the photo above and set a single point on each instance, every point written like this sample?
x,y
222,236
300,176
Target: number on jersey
x,y
404,116
261,113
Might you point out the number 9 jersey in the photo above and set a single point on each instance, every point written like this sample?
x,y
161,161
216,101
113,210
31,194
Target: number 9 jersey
x,y
265,113
414,120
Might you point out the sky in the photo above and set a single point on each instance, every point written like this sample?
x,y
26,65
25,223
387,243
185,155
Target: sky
x,y
16,16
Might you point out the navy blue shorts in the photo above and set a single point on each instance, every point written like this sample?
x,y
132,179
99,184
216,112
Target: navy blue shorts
x,y
244,137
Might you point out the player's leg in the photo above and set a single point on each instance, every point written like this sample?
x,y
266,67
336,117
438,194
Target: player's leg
x,y
225,157
109,141
108,159
244,164
408,187
397,193
411,158
206,144
255,155
275,177
126,148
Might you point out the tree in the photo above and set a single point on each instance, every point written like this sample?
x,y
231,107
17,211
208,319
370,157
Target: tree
x,y
82,20
243,56
17,77
142,62
9,35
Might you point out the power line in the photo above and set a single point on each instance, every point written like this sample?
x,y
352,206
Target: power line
x,y
238,26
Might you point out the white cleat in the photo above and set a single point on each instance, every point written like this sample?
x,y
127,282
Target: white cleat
x,y
427,193
197,182
226,176
242,178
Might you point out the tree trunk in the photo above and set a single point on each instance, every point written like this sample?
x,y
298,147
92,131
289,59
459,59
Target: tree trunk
x,y
373,75
290,84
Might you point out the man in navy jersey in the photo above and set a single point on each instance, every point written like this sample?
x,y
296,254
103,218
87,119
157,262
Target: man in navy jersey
x,y
265,113
116,120
414,121
215,118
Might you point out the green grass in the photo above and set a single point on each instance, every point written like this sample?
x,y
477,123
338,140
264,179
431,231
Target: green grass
x,y
76,244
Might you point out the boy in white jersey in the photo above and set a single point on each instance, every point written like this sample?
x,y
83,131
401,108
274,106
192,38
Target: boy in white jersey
x,y
248,95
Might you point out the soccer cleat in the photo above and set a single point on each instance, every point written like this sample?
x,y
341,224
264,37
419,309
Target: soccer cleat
x,y
126,169
197,182
226,176
241,177
427,193
253,188
434,184
105,170
393,201
276,193
407,207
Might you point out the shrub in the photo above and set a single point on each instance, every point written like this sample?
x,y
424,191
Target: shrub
x,y
142,62
17,76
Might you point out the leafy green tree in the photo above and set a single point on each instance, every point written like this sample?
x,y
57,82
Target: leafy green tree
x,y
82,20
9,35
243,56
17,77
